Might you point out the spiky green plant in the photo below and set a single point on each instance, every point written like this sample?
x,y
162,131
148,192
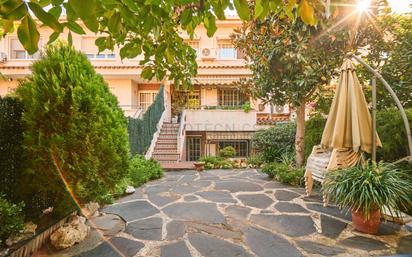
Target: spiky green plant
x,y
369,187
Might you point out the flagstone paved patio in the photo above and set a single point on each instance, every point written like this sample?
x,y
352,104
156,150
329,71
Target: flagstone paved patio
x,y
228,213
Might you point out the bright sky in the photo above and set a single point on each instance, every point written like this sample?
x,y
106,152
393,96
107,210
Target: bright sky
x,y
401,6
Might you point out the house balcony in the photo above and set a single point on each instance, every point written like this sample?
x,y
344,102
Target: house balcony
x,y
132,111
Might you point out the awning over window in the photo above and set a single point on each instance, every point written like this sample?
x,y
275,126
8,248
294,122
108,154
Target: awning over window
x,y
217,80
228,135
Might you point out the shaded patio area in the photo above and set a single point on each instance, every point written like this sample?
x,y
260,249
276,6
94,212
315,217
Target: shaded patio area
x,y
225,213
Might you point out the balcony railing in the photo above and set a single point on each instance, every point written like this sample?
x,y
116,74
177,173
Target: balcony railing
x,y
132,111
182,134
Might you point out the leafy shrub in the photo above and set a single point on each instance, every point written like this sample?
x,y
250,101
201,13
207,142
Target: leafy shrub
x,y
227,152
121,186
211,162
217,162
284,173
246,107
313,133
273,142
391,131
11,218
72,122
11,147
369,186
227,164
255,161
142,170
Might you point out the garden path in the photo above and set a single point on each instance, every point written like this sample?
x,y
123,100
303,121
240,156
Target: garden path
x,y
228,213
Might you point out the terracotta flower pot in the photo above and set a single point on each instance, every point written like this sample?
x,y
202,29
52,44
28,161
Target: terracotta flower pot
x,y
369,226
199,166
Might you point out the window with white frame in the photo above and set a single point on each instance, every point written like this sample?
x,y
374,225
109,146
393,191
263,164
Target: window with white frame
x,y
18,52
101,56
226,51
146,99
195,45
230,97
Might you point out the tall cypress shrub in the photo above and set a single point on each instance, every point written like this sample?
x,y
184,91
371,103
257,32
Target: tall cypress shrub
x,y
11,150
72,118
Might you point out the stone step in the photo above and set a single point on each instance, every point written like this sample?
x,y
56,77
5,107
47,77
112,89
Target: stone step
x,y
164,151
168,131
166,147
170,166
168,136
172,125
166,141
166,157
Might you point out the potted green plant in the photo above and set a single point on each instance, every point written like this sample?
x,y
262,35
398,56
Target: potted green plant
x,y
368,189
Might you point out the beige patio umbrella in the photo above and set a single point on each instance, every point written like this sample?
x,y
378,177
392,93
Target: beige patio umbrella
x,y
349,122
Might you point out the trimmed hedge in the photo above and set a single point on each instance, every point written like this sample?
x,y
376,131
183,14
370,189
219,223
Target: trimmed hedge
x,y
391,131
273,142
285,173
11,148
313,133
141,131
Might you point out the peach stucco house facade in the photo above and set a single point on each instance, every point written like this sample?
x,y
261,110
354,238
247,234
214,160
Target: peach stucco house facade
x,y
212,117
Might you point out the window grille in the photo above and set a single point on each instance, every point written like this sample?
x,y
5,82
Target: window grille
x,y
146,99
230,97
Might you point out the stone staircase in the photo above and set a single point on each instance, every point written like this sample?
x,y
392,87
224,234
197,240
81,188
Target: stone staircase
x,y
165,150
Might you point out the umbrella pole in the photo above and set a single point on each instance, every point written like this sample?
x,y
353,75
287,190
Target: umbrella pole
x,y
374,119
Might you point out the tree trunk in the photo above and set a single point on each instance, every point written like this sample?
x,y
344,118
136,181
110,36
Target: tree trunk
x,y
300,134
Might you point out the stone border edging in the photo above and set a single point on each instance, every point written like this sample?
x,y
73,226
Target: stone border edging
x,y
35,243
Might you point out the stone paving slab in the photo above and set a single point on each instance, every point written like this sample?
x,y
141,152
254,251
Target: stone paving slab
x,y
209,246
290,225
232,213
266,244
178,249
260,201
363,243
290,207
331,227
132,210
321,249
194,211
217,196
147,229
